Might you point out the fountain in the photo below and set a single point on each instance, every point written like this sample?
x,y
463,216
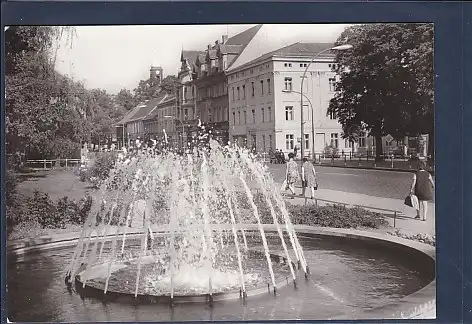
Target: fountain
x,y
179,227
210,226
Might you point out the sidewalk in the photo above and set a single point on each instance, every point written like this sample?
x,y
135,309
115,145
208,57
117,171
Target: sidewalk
x,y
404,222
398,165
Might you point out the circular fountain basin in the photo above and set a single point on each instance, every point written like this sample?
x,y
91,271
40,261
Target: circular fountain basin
x,y
354,275
190,283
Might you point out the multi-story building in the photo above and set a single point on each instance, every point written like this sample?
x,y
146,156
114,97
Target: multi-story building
x,y
264,101
150,118
159,122
207,86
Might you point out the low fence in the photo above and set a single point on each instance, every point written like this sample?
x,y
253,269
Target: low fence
x,y
49,164
393,212
354,160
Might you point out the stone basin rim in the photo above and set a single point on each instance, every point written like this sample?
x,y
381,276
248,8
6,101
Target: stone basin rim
x,y
411,306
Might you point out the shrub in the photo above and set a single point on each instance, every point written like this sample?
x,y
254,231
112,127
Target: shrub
x,y
422,238
335,216
42,209
102,165
11,182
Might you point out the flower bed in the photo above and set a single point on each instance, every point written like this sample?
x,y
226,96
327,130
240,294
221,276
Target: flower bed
x,y
422,238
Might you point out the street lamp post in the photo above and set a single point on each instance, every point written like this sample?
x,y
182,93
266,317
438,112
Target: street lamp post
x,y
312,122
335,48
183,128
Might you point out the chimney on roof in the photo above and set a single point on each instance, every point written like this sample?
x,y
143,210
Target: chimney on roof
x,y
224,39
209,46
217,42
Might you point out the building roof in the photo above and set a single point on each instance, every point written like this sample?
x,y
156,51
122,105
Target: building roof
x,y
294,50
130,114
144,109
153,113
269,38
234,45
190,56
244,37
229,49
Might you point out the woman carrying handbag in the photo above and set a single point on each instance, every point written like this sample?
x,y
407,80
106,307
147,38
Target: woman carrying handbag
x,y
308,178
422,187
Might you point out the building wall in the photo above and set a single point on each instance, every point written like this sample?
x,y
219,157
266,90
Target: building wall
x,y
318,88
251,107
155,126
273,129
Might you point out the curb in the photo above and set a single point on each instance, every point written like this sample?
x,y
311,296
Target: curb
x,y
368,168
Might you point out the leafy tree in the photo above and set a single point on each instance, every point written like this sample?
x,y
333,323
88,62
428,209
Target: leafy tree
x,y
48,114
125,99
386,81
169,84
146,90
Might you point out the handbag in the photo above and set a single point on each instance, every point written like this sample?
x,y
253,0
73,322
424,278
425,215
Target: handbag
x,y
408,201
412,201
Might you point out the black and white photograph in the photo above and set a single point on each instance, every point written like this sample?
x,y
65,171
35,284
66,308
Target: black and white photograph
x,y
159,173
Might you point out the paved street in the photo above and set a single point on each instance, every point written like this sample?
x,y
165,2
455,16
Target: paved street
x,y
386,184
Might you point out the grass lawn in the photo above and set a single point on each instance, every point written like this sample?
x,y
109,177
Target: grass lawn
x,y
57,184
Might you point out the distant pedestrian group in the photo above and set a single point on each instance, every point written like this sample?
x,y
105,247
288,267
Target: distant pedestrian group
x,y
307,175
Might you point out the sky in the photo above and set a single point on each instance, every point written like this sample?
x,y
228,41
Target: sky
x,y
117,57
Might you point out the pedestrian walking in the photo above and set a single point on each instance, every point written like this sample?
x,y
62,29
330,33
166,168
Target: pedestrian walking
x,y
291,174
422,187
309,178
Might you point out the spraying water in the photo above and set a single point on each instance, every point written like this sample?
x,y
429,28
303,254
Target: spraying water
x,y
191,234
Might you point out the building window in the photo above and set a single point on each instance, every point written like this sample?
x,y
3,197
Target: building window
x,y
252,84
288,64
185,114
288,84
245,117
288,113
332,115
253,116
263,143
262,87
262,115
307,141
239,118
289,141
244,92
270,142
254,142
269,111
268,86
332,84
334,140
234,118
233,94
348,143
238,93
362,139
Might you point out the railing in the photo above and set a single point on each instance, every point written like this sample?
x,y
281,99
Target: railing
x,y
47,164
394,212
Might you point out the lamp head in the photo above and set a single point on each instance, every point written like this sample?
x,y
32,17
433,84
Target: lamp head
x,y
343,47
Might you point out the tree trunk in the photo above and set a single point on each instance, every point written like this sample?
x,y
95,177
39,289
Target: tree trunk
x,y
431,145
378,148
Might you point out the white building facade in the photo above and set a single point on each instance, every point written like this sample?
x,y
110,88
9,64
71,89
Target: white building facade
x,y
264,102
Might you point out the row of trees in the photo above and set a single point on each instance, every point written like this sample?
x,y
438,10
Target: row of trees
x,y
48,114
386,83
